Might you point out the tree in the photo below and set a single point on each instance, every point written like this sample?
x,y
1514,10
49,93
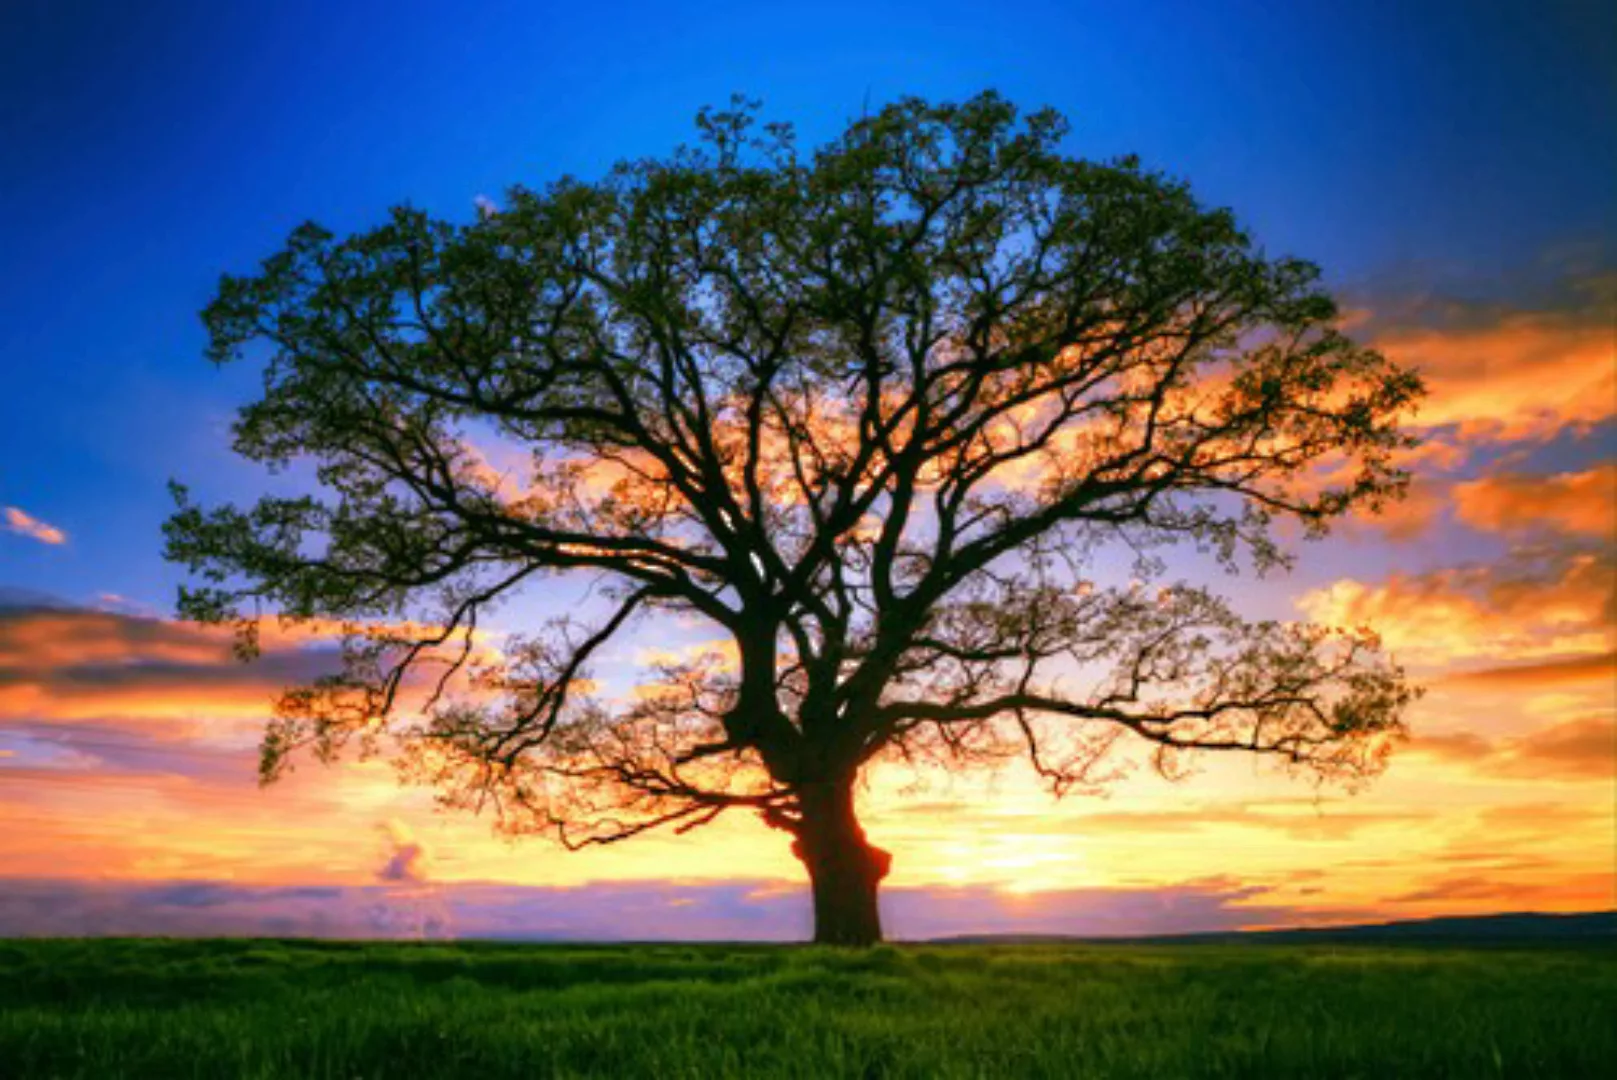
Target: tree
x,y
878,414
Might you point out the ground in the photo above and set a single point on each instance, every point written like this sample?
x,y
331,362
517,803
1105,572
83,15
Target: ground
x,y
111,1008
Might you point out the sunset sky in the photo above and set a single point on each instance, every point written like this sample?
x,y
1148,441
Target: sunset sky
x,y
1448,164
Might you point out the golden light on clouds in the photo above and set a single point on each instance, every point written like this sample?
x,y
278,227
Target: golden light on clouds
x,y
127,743
1519,376
1583,503
1522,608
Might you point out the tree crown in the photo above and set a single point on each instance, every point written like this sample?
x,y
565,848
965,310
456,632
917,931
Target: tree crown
x,y
874,413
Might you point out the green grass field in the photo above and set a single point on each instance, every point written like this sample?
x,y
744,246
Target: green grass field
x,y
307,1009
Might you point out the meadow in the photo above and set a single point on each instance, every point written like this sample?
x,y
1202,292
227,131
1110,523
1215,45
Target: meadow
x,y
260,1008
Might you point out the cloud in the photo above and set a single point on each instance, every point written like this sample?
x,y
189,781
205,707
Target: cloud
x,y
76,664
1588,891
11,596
118,752
1581,749
1576,749
1601,668
406,859
123,605
1551,604
46,639
15,520
1583,503
630,910
719,654
1296,819
66,663
1536,818
1408,517
1501,374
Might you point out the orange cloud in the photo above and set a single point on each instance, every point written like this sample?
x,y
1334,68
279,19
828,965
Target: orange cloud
x,y
78,664
1474,892
50,638
1581,749
1600,669
74,664
23,524
1508,375
155,675
1424,501
1409,517
1519,609
1583,503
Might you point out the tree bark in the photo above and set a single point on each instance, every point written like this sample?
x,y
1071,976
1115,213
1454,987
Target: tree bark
x,y
845,870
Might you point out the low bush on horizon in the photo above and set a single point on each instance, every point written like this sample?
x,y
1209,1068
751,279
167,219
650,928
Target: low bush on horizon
x,y
271,1008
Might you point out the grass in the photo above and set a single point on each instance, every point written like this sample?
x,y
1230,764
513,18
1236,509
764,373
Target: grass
x,y
111,1008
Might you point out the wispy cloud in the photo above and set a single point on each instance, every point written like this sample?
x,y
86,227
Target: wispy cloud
x,y
1589,892
1600,669
16,520
1578,749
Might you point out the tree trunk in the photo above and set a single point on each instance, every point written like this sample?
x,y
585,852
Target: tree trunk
x,y
844,868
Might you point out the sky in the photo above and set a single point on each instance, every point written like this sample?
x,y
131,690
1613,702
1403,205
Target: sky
x,y
1447,164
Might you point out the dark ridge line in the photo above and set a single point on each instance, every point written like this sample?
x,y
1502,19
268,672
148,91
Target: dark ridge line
x,y
1593,927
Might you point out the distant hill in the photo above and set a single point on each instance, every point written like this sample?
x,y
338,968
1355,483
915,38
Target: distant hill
x,y
1596,927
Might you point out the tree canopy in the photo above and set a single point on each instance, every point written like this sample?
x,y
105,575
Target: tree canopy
x,y
885,416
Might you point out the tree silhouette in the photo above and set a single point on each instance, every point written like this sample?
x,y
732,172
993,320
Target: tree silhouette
x,y
875,414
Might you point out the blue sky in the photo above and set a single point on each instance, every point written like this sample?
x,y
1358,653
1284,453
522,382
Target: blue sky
x,y
150,147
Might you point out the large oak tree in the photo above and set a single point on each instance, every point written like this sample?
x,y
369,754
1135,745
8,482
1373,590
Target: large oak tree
x,y
883,416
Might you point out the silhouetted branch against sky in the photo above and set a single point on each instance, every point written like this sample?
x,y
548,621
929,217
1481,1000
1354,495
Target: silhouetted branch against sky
x,y
877,412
